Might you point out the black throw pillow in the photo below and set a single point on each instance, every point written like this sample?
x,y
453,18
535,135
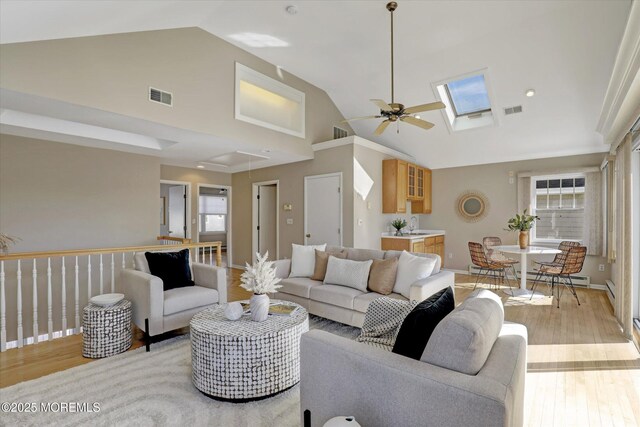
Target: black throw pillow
x,y
417,327
171,267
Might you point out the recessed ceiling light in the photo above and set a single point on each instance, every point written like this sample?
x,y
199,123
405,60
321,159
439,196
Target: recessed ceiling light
x,y
200,167
530,92
291,10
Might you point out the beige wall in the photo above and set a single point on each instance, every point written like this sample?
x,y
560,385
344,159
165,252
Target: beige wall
x,y
114,72
369,211
493,181
291,178
194,177
60,196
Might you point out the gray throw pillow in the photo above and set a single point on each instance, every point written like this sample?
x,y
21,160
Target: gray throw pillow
x,y
463,340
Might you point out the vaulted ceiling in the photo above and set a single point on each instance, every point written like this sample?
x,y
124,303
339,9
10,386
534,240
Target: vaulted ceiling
x,y
565,50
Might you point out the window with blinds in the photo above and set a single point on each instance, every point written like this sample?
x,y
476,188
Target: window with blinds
x,y
213,214
559,202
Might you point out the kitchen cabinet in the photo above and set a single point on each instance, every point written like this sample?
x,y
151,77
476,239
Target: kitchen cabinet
x,y
412,178
394,186
426,245
424,205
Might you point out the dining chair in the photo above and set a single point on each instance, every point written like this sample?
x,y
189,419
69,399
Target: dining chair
x,y
561,274
563,247
487,267
498,257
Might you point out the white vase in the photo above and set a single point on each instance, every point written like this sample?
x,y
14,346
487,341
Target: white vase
x,y
259,304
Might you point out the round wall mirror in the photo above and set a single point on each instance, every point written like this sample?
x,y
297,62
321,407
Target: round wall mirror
x,y
472,206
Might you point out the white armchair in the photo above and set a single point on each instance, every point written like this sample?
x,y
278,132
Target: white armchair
x,y
156,311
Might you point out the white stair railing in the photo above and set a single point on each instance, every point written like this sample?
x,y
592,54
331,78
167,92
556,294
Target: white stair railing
x,y
55,272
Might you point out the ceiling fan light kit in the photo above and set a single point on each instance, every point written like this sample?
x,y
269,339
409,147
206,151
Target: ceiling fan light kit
x,y
394,111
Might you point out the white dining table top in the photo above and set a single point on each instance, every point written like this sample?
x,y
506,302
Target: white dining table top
x,y
534,250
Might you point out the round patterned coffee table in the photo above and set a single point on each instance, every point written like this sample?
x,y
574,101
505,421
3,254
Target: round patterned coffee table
x,y
243,360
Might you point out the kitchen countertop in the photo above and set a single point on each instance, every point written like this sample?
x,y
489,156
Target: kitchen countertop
x,y
416,235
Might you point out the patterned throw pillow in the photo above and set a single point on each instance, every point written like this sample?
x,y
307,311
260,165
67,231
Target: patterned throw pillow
x,y
320,269
382,321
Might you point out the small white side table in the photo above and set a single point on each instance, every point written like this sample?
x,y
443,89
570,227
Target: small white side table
x,y
531,250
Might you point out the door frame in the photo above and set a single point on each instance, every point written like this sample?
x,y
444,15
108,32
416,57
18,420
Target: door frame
x,y
229,217
188,203
325,175
254,216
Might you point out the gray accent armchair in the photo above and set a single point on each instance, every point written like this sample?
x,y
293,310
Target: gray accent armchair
x,y
156,311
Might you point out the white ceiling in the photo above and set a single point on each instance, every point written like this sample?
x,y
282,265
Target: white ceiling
x,y
565,50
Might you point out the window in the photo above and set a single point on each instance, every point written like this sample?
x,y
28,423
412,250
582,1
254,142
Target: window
x,y
559,202
213,214
467,100
468,96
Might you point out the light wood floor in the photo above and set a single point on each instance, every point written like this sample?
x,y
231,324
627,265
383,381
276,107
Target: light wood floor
x,y
581,371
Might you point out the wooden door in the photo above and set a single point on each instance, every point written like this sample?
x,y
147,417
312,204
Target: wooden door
x,y
401,201
394,186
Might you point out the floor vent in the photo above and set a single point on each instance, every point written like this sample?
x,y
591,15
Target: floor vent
x,y
513,110
339,133
157,95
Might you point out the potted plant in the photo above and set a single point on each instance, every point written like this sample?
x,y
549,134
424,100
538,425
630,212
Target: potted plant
x,y
522,223
398,224
5,242
260,278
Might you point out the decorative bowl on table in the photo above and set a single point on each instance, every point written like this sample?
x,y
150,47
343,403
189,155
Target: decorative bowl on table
x,y
106,300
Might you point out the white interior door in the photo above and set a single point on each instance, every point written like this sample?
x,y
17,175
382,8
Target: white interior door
x,y
267,213
177,208
323,209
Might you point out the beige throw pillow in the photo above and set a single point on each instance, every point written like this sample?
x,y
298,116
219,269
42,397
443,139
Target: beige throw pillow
x,y
320,269
382,277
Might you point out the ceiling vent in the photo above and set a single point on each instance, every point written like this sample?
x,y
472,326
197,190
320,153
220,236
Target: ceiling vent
x,y
513,110
339,133
157,95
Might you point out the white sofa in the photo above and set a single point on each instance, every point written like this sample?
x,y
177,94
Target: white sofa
x,y
347,305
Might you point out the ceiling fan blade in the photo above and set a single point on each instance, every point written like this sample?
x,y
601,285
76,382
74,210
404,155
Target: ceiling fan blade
x,y
417,122
382,105
381,127
425,107
360,118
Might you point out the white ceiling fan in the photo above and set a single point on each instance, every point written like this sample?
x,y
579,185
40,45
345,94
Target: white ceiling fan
x,y
393,111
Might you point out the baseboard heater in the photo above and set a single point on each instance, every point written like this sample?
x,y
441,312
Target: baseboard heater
x,y
578,280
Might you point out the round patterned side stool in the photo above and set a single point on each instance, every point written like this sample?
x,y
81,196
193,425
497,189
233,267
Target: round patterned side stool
x,y
243,360
106,331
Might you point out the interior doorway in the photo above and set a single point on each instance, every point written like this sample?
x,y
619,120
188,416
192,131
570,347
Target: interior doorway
x,y
266,219
323,209
214,218
175,209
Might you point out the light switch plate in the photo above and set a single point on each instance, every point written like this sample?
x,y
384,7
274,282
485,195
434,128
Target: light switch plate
x,y
289,221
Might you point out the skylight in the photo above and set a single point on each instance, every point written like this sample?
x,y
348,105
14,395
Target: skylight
x,y
258,40
468,95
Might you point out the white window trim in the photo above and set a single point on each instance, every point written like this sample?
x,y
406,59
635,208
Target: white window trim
x,y
464,123
549,242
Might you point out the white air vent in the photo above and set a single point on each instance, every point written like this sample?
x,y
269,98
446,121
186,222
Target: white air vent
x,y
157,95
339,133
513,110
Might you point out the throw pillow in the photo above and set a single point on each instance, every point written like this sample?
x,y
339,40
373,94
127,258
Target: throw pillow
x,y
303,259
171,267
320,269
382,321
383,275
463,340
411,268
418,326
345,272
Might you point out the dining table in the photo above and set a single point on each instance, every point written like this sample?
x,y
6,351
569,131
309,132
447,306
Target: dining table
x,y
522,291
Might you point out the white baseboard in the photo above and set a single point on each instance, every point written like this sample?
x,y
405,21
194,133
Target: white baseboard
x,y
239,267
453,270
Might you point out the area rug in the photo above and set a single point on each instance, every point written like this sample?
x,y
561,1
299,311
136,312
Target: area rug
x,y
146,389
